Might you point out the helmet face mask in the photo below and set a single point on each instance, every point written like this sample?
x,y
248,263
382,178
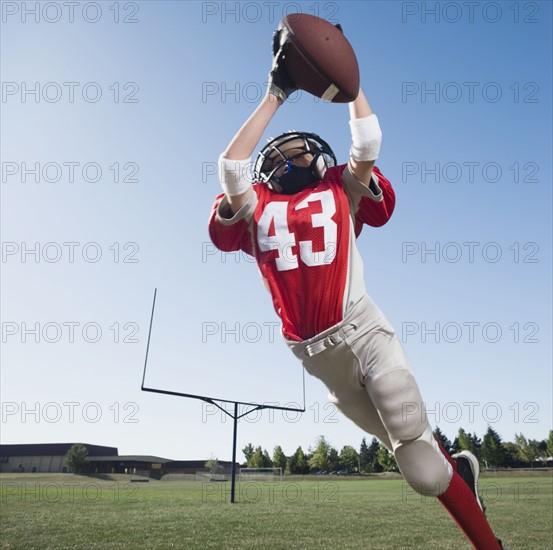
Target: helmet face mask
x,y
291,161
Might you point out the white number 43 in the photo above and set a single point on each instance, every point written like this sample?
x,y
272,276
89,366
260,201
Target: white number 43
x,y
283,240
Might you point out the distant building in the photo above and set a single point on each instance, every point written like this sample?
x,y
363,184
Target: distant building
x,y
43,457
49,457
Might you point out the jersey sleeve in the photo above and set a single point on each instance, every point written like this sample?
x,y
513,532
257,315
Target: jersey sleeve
x,y
231,233
371,204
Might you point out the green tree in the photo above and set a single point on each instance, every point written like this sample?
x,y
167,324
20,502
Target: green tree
x,y
442,439
549,444
374,448
333,459
279,458
267,462
386,459
469,442
248,451
363,456
297,463
529,450
259,459
212,464
492,450
77,457
511,455
321,455
301,461
463,440
373,466
349,459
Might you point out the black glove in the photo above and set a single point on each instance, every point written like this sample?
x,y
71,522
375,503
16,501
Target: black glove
x,y
280,83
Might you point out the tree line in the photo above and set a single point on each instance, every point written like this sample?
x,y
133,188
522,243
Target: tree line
x,y
374,457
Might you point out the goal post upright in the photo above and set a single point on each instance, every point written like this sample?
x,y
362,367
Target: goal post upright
x,y
214,401
233,465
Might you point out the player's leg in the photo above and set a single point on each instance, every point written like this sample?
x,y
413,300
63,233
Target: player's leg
x,y
392,388
395,393
329,357
371,356
358,407
338,368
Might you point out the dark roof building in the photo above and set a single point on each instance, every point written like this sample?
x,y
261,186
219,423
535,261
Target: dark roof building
x,y
44,457
50,457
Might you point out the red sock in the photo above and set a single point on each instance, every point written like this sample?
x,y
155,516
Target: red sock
x,y
461,504
448,457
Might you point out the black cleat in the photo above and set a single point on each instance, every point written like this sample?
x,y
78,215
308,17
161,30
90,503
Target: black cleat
x,y
469,469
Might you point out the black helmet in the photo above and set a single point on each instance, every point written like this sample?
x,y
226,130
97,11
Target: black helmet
x,y
274,156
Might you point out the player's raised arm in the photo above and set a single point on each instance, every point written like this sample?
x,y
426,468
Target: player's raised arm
x,y
370,191
366,138
235,160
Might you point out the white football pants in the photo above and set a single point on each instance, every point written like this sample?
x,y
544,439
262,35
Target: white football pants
x,y
363,365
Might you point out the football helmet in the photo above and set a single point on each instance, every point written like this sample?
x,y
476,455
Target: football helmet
x,y
293,160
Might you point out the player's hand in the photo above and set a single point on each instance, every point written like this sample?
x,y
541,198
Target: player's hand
x,y
280,83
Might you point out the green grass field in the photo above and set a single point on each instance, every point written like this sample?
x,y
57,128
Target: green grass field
x,y
47,511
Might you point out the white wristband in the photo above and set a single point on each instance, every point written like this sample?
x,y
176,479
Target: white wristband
x,y
366,137
234,175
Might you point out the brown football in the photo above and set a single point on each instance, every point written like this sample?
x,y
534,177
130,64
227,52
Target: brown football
x,y
319,58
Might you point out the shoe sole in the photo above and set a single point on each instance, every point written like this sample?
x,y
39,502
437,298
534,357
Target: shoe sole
x,y
475,468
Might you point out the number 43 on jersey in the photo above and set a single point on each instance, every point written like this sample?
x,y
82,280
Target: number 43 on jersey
x,y
283,240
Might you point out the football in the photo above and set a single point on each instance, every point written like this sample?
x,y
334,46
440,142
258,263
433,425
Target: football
x,y
319,58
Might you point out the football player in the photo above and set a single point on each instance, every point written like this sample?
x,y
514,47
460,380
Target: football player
x,y
300,220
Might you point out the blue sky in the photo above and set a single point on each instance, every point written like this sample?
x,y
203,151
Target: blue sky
x,y
465,107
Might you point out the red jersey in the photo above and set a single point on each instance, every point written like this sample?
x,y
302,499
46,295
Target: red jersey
x,y
304,244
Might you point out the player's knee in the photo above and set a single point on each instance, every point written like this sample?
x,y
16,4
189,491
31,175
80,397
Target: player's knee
x,y
423,465
429,476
